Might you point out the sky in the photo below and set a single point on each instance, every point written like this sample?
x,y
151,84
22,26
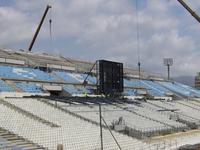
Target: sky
x,y
107,29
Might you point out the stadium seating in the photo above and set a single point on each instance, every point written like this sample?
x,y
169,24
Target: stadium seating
x,y
83,135
132,83
181,110
160,90
152,88
72,89
90,79
83,89
175,88
69,77
159,116
71,118
22,72
130,92
75,77
29,87
134,121
4,87
193,91
11,141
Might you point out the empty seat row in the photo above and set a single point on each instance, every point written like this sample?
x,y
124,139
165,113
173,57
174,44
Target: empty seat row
x,y
25,72
29,87
73,132
5,87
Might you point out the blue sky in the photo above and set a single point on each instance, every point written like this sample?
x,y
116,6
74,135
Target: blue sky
x,y
106,29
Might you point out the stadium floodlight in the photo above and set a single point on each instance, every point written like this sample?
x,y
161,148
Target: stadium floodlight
x,y
168,62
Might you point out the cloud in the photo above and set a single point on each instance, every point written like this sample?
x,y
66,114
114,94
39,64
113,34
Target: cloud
x,y
94,29
13,28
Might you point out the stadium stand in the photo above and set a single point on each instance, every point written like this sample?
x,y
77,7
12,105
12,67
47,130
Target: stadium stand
x,y
175,88
153,88
69,125
69,114
74,89
29,87
138,118
130,92
4,87
9,140
69,77
24,72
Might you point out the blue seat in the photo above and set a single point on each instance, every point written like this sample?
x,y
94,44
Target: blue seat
x,y
151,87
29,87
193,91
91,79
72,89
24,72
175,88
154,89
5,87
130,92
69,77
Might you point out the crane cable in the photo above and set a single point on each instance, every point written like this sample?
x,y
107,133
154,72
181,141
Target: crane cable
x,y
50,24
138,38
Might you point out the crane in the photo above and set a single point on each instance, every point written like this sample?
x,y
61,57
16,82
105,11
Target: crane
x,y
194,14
38,28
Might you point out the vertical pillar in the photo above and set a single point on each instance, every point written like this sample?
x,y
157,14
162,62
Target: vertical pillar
x,y
139,64
100,121
168,72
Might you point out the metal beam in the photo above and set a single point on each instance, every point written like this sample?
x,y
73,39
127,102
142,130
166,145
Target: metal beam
x,y
38,28
193,13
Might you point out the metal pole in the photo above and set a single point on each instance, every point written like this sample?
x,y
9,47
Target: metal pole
x,y
168,72
38,28
189,10
139,69
111,134
88,73
101,133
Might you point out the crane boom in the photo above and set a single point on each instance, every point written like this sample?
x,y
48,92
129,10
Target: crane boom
x,y
189,10
38,28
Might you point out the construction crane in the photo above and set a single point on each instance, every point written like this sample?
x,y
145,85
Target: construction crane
x,y
38,28
189,10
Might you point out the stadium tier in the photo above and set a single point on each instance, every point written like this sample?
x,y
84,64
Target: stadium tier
x,y
73,133
24,72
75,124
28,74
5,87
49,100
29,87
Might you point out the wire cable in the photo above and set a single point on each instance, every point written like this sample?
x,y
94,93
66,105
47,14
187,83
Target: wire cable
x,y
50,24
138,37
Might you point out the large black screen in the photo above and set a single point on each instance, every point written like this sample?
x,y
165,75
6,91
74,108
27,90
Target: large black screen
x,y
109,77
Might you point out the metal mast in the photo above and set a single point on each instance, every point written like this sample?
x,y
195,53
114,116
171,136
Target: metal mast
x,y
38,28
189,10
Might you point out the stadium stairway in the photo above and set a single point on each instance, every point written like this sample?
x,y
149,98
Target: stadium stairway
x,y
11,141
28,114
